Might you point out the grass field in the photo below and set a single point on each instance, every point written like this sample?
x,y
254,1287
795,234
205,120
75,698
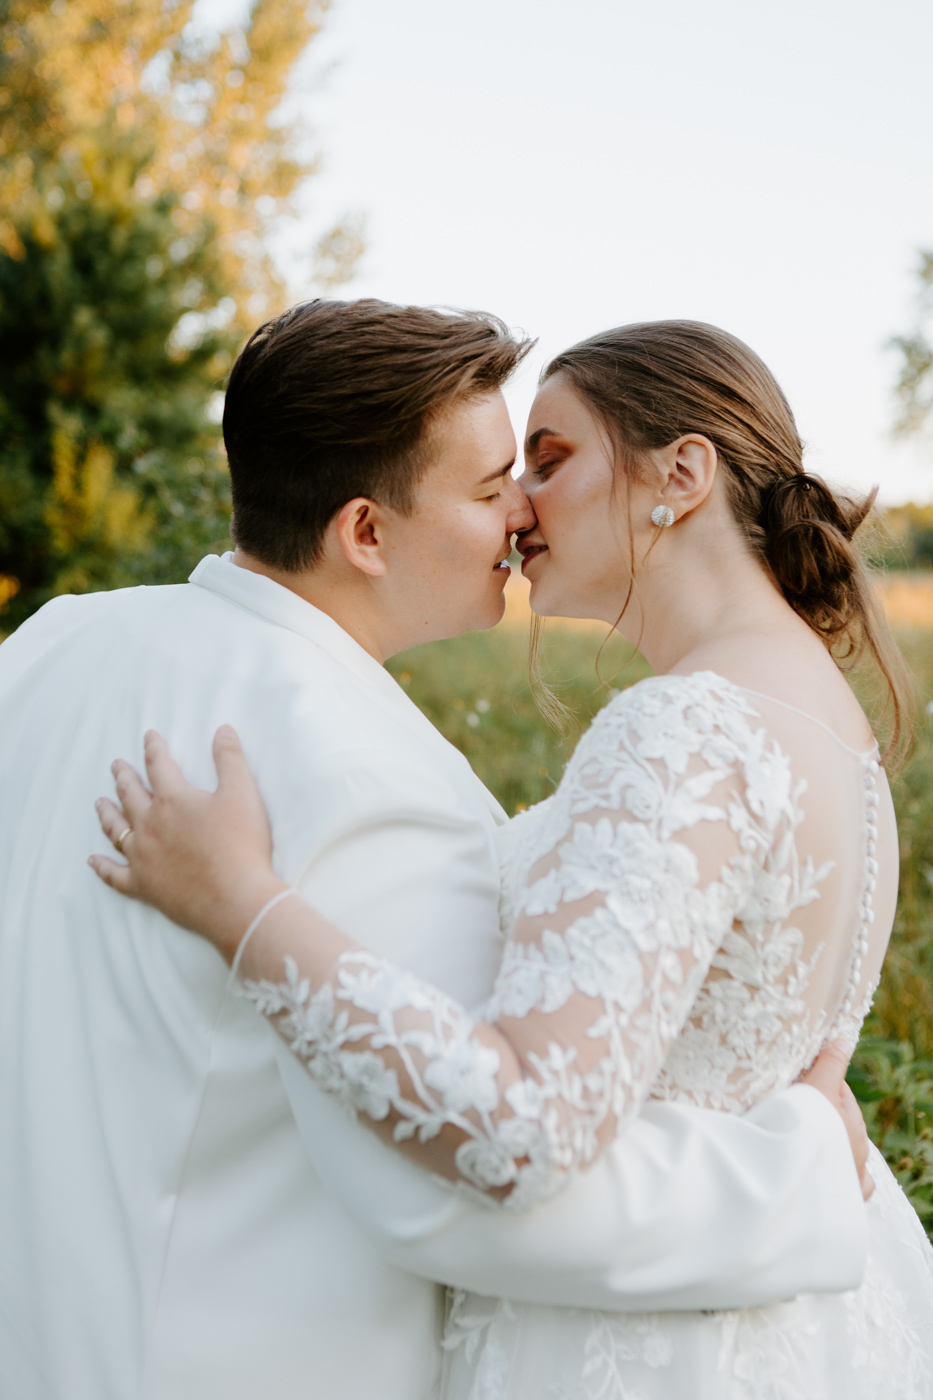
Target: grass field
x,y
475,689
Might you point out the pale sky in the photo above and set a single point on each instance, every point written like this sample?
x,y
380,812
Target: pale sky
x,y
576,165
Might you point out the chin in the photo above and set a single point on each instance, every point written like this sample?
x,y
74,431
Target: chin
x,y
540,604
543,606
490,616
480,620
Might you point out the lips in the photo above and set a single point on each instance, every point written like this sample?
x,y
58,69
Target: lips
x,y
530,551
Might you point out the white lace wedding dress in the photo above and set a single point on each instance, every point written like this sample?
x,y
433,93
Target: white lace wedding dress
x,y
705,900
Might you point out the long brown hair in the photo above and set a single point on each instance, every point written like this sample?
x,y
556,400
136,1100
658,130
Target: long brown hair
x,y
653,382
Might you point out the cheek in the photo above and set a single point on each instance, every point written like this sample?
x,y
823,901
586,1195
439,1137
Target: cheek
x,y
480,533
573,514
462,547
588,542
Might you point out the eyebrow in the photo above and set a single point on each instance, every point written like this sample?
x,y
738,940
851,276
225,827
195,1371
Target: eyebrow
x,y
535,437
494,476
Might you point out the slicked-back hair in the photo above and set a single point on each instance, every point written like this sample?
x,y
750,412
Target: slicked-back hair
x,y
336,399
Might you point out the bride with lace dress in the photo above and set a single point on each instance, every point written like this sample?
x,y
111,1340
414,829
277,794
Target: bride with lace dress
x,y
703,903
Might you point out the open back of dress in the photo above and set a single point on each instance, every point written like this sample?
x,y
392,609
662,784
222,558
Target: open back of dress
x,y
804,970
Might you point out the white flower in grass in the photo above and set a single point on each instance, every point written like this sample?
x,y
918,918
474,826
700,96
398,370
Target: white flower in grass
x,y
464,1074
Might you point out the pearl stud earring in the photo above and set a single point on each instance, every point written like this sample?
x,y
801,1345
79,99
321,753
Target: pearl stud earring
x,y
662,515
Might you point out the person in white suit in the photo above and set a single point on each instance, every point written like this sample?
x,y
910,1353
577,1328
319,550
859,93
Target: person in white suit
x,y
183,1216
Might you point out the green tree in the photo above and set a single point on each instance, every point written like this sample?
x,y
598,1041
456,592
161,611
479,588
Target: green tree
x,y
114,338
74,71
140,172
915,378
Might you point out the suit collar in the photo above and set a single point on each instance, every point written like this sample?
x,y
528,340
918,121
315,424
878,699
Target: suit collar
x,y
270,600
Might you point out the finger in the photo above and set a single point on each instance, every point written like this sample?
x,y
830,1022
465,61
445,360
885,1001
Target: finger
x,y
118,877
828,1071
164,773
112,818
847,1097
856,1127
234,775
135,797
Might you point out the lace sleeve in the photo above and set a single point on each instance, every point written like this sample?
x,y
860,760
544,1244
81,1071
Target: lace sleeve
x,y
646,855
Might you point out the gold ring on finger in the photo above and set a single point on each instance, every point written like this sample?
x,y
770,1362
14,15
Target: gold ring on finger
x,y
121,838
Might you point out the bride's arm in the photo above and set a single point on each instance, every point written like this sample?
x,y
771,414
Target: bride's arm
x,y
600,973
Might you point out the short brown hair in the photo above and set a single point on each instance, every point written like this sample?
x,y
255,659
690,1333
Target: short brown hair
x,y
652,382
335,399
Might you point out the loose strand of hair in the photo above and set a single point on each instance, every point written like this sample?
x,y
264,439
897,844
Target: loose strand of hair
x,y
557,714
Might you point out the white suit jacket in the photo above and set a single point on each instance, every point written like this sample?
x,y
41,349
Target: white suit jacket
x,y
182,1216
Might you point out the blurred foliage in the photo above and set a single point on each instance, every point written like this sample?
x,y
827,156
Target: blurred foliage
x,y
892,1070
140,172
915,379
904,539
903,1008
110,470
475,689
895,1091
207,116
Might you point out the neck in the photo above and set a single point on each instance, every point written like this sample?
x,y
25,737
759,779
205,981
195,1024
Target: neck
x,y
690,600
348,600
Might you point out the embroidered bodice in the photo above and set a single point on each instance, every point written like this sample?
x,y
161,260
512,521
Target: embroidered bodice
x,y
690,915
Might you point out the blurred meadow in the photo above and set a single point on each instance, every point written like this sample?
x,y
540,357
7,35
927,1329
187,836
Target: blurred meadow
x,y
475,688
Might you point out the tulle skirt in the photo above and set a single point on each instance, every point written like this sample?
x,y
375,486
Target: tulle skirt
x,y
872,1344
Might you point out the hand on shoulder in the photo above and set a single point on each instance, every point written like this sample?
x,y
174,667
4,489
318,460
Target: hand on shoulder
x,y
204,859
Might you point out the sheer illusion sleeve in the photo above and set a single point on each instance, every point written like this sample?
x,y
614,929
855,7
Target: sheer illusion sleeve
x,y
655,842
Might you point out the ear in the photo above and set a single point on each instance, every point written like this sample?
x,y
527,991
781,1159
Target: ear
x,y
359,527
688,472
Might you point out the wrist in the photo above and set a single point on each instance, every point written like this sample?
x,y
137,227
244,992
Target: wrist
x,y
250,897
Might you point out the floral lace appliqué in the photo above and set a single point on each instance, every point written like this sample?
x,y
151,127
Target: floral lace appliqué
x,y
617,926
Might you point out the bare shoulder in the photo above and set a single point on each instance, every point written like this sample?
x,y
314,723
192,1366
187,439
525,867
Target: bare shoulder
x,y
792,667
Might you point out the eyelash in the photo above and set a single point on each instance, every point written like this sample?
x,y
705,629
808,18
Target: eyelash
x,y
494,497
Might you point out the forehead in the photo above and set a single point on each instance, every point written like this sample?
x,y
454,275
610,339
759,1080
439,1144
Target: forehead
x,y
558,408
469,440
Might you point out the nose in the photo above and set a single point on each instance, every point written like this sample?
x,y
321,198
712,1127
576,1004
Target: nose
x,y
521,515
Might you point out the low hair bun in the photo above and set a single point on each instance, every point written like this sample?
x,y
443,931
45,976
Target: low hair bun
x,y
802,499
808,532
